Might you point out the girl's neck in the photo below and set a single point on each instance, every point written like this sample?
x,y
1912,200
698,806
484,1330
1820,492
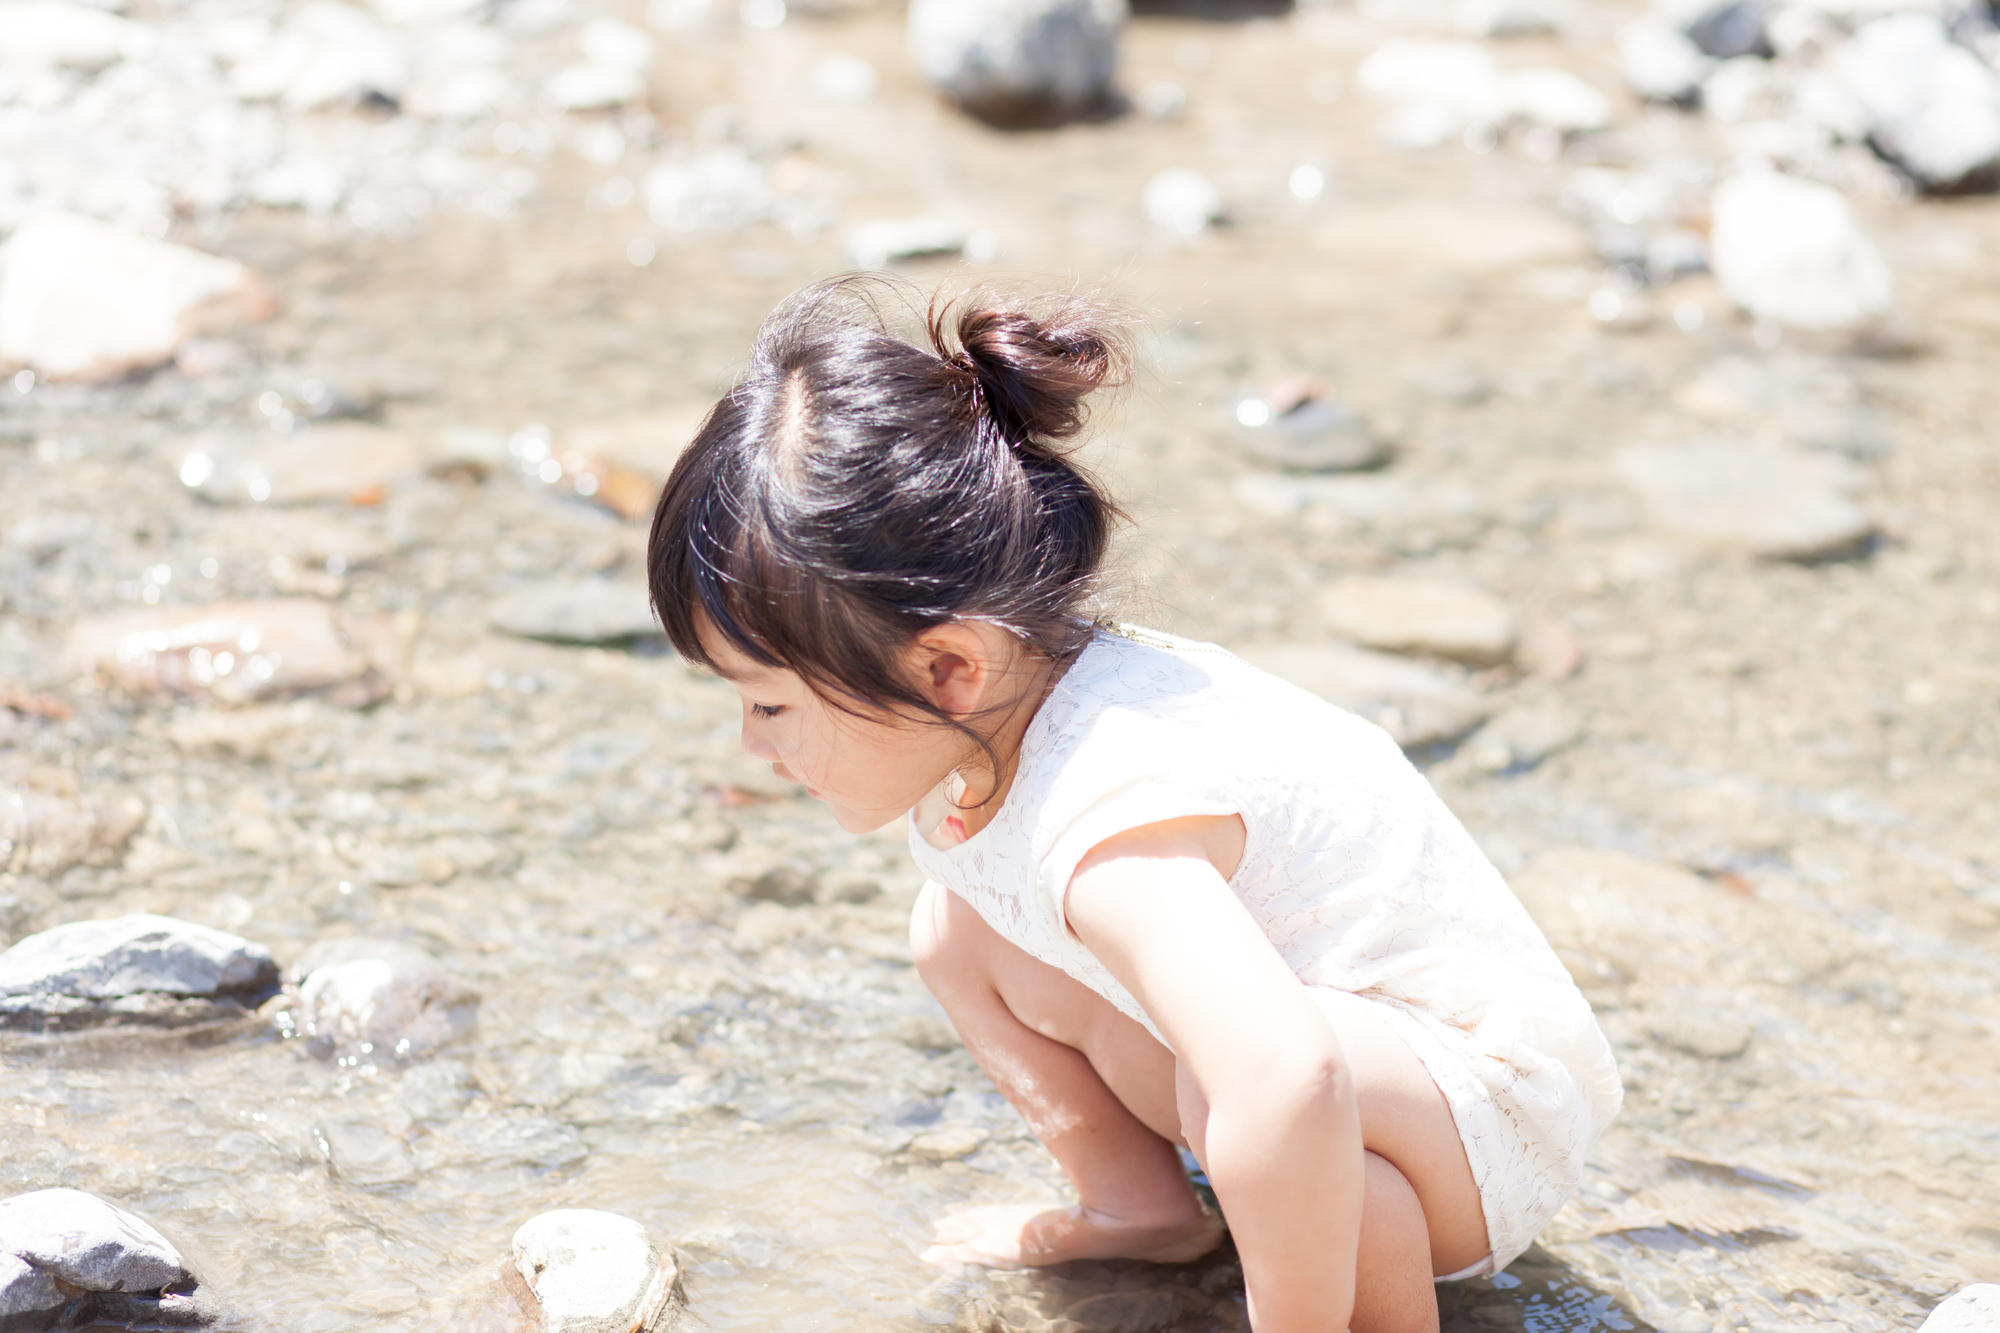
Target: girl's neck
x,y
976,792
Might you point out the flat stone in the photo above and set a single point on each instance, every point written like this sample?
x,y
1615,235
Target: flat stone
x,y
142,970
83,300
1791,252
1417,705
1973,1309
232,652
596,1272
342,460
1419,615
1305,433
378,999
88,1243
577,611
1700,1032
1017,60
1779,504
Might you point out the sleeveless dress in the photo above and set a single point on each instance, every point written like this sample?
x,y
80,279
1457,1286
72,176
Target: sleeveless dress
x,y
1358,874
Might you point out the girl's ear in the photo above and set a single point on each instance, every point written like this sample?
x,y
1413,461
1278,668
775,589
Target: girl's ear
x,y
956,667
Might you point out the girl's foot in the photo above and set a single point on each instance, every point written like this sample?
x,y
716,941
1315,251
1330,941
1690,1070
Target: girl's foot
x,y
1028,1235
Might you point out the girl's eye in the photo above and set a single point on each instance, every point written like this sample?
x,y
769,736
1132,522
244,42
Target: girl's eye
x,y
766,710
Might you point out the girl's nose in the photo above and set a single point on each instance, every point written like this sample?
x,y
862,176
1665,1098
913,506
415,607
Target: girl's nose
x,y
757,745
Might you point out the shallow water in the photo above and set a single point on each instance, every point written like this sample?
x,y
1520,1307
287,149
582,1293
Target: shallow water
x,y
1813,748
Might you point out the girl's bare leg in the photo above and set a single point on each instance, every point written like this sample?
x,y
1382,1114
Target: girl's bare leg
x,y
1106,1100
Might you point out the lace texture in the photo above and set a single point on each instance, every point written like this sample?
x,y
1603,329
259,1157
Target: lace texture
x,y
1354,868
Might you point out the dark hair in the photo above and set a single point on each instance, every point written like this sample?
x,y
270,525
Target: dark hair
x,y
854,490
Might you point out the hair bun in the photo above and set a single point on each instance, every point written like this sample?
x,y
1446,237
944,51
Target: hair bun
x,y
1034,372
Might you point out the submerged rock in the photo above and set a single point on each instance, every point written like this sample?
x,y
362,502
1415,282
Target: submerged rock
x,y
234,652
1416,705
377,998
148,971
589,1271
1781,504
1790,251
83,300
1018,60
577,611
71,1260
1415,615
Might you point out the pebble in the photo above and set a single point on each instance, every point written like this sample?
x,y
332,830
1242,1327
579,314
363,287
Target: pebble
x,y
1932,106
146,970
1790,251
1417,705
577,611
874,244
84,300
1973,1309
46,830
1660,64
1434,617
233,652
70,1260
345,460
589,1271
1522,737
377,998
1780,504
1296,425
1182,200
1018,60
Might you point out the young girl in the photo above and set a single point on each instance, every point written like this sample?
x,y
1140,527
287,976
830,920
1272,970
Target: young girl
x,y
1173,900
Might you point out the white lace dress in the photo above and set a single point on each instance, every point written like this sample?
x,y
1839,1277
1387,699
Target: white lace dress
x,y
1357,872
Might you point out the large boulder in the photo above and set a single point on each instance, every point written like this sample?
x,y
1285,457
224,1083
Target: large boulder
x,y
83,300
71,1260
1018,60
142,970
588,1271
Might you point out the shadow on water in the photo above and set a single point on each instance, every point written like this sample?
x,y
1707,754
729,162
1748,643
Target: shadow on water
x,y
1537,1293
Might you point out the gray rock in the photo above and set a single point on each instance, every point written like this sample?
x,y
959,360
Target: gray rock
x,y
1416,705
1779,504
377,999
146,970
78,1239
28,1296
597,1272
1973,1309
1018,60
1420,615
1932,106
1522,737
1728,29
577,611
1297,427
1791,252
1710,1035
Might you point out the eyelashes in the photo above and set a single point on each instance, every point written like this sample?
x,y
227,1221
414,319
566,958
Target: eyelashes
x,y
766,711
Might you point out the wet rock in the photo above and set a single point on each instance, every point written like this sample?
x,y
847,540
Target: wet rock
x,y
1791,252
1142,1311
53,33
1018,60
1416,705
378,999
1181,200
150,971
1974,1309
1780,504
1661,64
83,300
1297,425
1417,615
435,1091
875,244
1932,106
71,1260
577,611
516,1140
237,652
589,1271
1520,738
1701,1032
345,460
46,827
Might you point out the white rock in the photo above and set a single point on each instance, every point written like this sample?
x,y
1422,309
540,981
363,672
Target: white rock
x,y
588,87
1182,200
1661,64
1776,503
838,77
379,998
51,32
86,1242
1437,87
1417,705
1740,89
422,13
596,1272
718,189
874,244
1017,58
1554,98
615,45
1504,18
1420,615
577,611
1973,1309
235,652
1791,251
1932,106
83,300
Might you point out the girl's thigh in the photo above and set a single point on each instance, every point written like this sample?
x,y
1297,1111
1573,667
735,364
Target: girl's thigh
x,y
1406,1119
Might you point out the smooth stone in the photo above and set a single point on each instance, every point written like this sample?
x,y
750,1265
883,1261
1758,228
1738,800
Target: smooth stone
x,y
1182,200
577,611
1660,64
88,1243
1520,738
1416,705
1973,1309
590,1271
1791,251
83,300
876,243
1700,1032
234,652
1314,434
1018,60
1932,106
379,999
346,460
47,832
143,970
1419,615
50,32
1780,504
